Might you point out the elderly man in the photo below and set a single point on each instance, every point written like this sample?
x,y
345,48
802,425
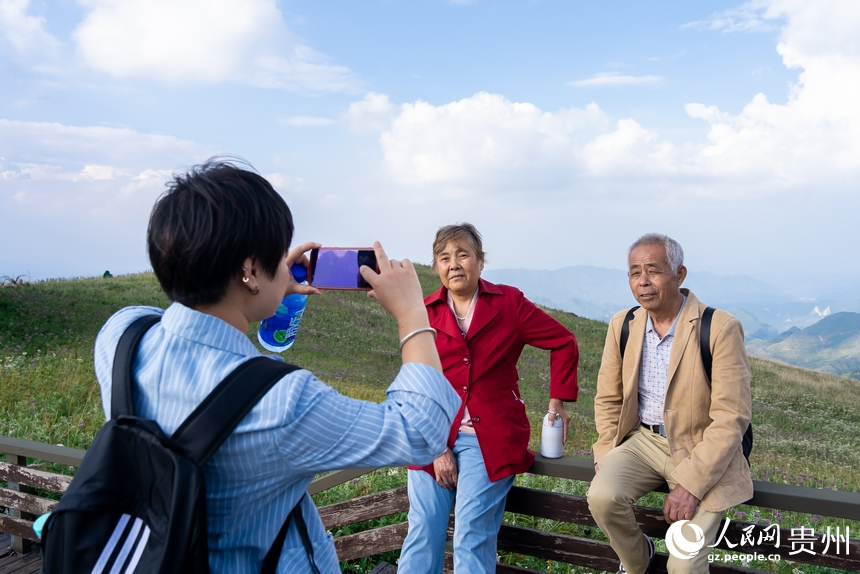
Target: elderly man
x,y
660,419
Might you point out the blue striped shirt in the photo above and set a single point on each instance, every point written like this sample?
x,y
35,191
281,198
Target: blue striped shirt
x,y
300,428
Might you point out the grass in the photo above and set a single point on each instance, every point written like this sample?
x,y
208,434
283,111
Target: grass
x,y
805,422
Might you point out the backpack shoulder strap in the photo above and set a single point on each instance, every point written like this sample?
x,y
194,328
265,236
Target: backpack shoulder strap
x,y
708,361
704,337
270,562
625,330
122,379
705,341
205,429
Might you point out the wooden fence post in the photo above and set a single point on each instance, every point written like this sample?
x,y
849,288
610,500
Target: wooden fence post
x,y
19,545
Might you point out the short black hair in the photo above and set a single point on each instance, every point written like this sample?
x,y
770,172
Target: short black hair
x,y
208,222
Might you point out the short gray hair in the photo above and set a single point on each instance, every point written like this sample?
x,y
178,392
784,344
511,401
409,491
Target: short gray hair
x,y
674,253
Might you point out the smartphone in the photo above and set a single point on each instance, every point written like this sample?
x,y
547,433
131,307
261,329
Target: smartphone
x,y
337,267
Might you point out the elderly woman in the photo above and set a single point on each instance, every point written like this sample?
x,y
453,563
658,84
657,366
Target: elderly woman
x,y
482,329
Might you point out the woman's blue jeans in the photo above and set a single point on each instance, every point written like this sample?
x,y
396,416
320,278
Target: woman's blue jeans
x,y
478,509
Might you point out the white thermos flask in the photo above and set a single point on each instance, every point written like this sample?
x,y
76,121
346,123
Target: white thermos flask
x,y
552,436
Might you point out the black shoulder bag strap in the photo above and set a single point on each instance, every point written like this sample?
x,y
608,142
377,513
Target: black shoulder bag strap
x,y
122,386
214,419
705,341
206,429
625,330
270,562
708,361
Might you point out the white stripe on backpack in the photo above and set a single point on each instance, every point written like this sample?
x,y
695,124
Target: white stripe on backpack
x,y
133,542
140,546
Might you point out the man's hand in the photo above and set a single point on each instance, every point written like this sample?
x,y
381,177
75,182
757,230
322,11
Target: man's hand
x,y
557,406
445,467
680,505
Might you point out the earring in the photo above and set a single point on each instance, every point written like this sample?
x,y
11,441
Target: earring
x,y
256,291
245,279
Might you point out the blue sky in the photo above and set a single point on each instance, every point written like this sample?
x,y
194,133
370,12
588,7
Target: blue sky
x,y
562,129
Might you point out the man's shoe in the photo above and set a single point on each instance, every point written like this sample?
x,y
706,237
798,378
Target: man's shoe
x,y
651,552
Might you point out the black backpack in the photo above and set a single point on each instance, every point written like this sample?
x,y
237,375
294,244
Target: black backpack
x,y
707,360
138,500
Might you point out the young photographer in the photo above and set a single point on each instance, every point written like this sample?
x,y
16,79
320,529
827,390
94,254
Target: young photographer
x,y
219,243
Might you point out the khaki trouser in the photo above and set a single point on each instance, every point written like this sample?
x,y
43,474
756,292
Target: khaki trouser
x,y
635,467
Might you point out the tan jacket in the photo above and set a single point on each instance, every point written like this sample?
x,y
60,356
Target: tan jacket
x,y
704,423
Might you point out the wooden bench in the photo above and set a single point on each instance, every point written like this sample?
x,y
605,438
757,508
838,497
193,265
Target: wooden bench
x,y
586,552
23,505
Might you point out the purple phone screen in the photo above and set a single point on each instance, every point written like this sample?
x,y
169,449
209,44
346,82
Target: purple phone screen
x,y
339,268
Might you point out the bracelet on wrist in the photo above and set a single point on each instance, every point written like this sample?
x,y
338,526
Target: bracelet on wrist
x,y
415,332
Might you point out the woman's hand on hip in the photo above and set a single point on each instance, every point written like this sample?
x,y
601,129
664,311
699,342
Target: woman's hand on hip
x,y
557,406
445,467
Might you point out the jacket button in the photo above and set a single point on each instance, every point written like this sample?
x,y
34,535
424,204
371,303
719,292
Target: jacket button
x,y
476,419
465,389
466,360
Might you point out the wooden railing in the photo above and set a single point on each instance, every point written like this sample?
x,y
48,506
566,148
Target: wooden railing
x,y
23,505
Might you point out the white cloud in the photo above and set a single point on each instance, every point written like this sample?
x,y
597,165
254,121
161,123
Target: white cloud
x,y
614,79
78,171
83,185
746,18
98,172
286,184
485,140
25,35
208,41
812,139
307,121
485,143
374,113
77,199
79,146
629,150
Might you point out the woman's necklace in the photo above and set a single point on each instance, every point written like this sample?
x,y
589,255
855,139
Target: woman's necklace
x,y
461,324
454,310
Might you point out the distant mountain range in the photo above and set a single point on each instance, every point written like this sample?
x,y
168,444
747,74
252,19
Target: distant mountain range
x,y
832,345
766,311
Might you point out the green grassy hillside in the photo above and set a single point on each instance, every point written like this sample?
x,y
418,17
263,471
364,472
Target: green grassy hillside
x,y
805,422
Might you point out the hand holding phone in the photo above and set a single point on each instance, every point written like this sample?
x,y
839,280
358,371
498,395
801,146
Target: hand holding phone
x,y
396,287
338,267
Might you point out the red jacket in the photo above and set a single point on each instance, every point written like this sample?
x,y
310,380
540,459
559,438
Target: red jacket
x,y
483,369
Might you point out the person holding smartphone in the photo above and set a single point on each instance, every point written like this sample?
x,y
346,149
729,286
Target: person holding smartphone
x,y
482,329
219,243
